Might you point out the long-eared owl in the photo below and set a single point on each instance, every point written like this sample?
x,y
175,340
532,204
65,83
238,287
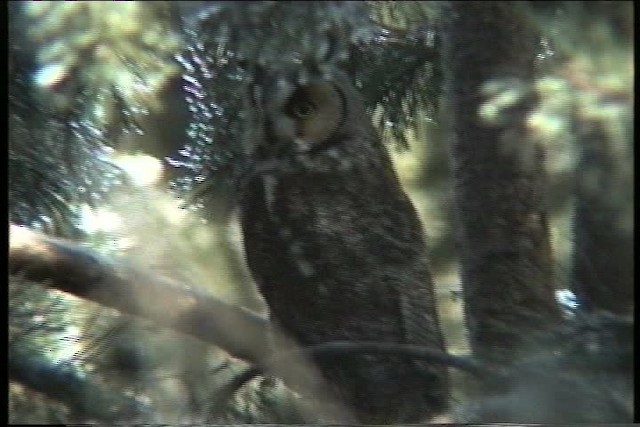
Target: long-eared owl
x,y
337,249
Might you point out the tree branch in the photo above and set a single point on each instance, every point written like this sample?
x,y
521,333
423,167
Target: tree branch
x,y
339,349
84,273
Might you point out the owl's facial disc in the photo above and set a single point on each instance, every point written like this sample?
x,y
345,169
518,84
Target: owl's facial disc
x,y
311,116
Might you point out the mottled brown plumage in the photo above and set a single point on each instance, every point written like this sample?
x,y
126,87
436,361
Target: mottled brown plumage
x,y
337,249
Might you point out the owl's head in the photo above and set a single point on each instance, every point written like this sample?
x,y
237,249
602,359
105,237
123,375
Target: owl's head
x,y
308,121
309,117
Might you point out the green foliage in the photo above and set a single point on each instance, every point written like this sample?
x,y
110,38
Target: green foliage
x,y
98,68
111,52
231,45
56,157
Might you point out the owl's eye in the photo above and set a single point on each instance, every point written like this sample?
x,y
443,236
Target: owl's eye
x,y
302,109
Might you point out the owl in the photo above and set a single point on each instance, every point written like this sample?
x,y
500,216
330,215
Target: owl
x,y
337,250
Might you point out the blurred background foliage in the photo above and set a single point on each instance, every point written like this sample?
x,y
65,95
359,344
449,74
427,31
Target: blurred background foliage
x,y
127,124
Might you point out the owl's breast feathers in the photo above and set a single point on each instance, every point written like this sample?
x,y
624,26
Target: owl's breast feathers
x,y
340,255
346,247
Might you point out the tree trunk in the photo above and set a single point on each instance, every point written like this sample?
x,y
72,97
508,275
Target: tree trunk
x,y
503,236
